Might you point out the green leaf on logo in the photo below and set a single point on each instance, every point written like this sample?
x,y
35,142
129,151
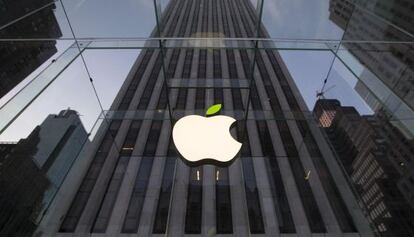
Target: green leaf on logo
x,y
213,109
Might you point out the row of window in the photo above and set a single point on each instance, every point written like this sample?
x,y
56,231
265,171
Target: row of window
x,y
254,210
256,224
161,214
194,24
136,202
280,201
167,16
152,79
193,215
224,222
305,192
126,100
73,215
88,183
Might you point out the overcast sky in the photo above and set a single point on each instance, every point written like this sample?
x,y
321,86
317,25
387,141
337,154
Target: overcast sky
x,y
298,19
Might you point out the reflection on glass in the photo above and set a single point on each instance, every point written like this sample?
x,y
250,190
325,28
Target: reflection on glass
x,y
110,20
27,57
376,147
288,179
31,20
26,95
375,154
33,169
300,19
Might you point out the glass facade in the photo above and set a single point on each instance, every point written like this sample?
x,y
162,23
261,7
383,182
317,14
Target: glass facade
x,y
322,93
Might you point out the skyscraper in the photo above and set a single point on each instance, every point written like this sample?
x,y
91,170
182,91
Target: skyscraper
x,y
388,75
19,59
284,181
32,171
377,157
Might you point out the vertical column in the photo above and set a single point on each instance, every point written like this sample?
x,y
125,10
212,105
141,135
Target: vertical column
x,y
97,193
179,195
237,189
328,217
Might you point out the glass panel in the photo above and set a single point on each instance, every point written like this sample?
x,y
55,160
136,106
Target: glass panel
x,y
35,171
34,84
49,98
109,70
112,19
43,19
322,94
362,117
301,19
50,139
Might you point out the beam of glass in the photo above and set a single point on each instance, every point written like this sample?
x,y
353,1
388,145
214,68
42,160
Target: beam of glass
x,y
208,83
210,43
162,114
22,99
384,81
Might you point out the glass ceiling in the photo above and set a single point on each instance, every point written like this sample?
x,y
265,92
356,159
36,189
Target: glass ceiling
x,y
94,45
353,51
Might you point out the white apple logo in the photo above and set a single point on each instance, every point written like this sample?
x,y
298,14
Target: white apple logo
x,y
206,139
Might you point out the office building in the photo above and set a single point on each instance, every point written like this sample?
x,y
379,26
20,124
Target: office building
x,y
387,78
19,59
285,180
32,171
378,158
5,149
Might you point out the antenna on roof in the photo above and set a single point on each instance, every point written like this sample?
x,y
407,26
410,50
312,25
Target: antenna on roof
x,y
321,94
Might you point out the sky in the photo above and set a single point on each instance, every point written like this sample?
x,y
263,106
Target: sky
x,y
284,19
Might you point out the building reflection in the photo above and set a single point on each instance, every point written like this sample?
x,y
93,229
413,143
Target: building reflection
x,y
17,58
33,169
377,150
385,68
378,158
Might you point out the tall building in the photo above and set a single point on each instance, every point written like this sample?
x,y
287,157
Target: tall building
x,y
388,76
32,171
19,59
378,159
285,180
5,149
368,96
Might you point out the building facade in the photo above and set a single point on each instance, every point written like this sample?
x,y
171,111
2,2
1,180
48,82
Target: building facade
x,y
285,180
378,159
19,59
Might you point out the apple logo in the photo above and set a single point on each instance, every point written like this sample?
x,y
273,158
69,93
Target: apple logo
x,y
206,140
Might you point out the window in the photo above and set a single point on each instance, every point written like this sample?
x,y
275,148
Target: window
x,y
224,224
105,210
136,202
282,208
305,191
81,198
152,79
175,19
202,63
200,96
135,81
194,202
111,193
252,194
162,212
187,63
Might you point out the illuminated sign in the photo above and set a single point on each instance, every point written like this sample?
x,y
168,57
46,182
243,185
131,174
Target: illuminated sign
x,y
206,140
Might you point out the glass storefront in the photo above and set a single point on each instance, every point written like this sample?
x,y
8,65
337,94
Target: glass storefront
x,y
322,93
